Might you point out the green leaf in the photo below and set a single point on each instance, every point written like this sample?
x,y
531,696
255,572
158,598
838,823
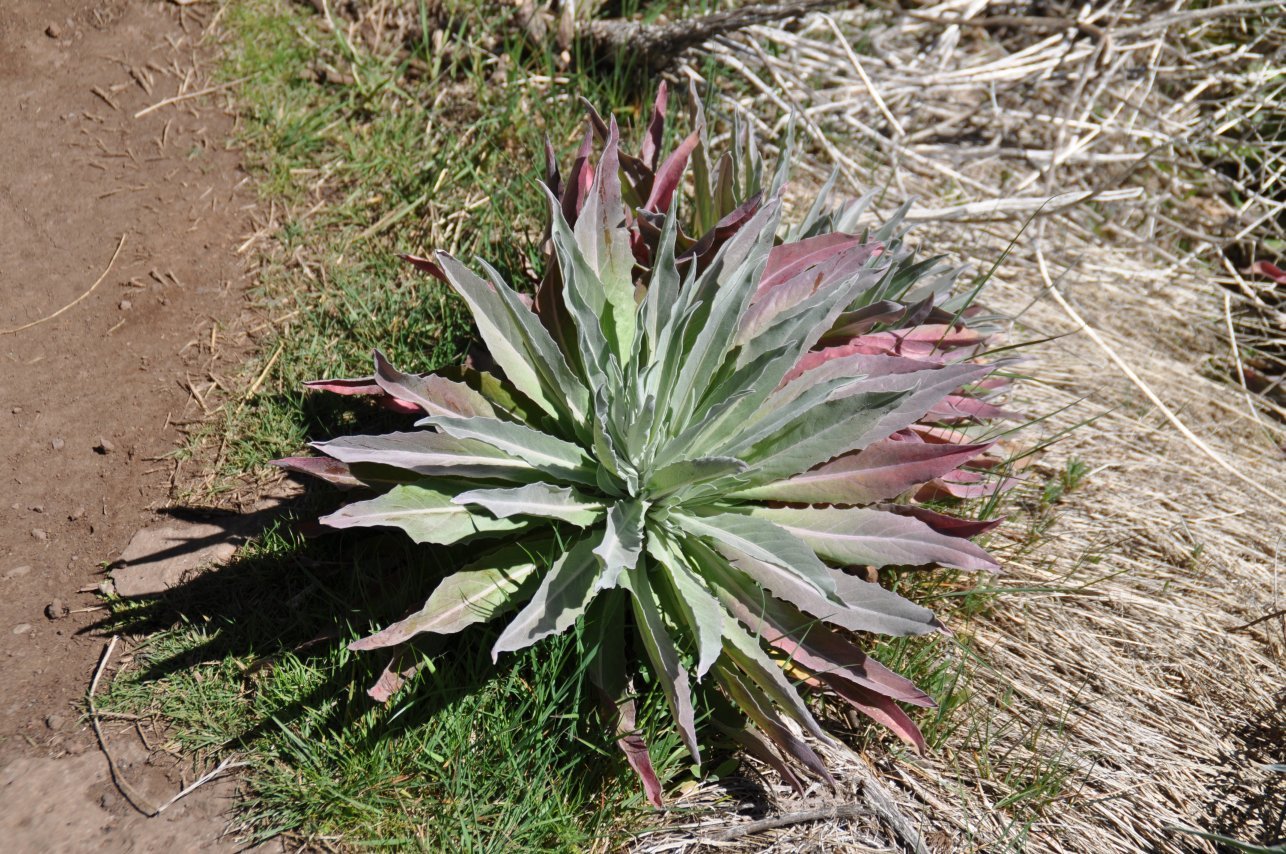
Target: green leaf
x,y
427,516
478,593
540,450
536,499
563,595
427,454
766,673
858,605
764,541
702,612
818,434
605,244
518,343
728,284
670,671
434,394
622,541
860,535
686,473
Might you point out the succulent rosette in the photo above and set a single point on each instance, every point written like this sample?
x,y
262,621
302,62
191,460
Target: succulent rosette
x,y
693,439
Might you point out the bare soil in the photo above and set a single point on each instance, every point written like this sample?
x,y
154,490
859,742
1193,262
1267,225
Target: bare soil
x,y
89,400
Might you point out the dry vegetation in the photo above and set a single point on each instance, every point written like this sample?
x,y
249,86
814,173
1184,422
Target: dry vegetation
x,y
1142,145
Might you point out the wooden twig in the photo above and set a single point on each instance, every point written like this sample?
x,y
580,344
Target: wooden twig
x,y
97,282
831,813
135,800
189,95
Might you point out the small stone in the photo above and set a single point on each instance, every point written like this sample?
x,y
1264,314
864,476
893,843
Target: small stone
x,y
17,572
17,410
104,446
58,444
40,534
37,508
54,31
22,628
76,514
92,529
56,610
54,722
126,305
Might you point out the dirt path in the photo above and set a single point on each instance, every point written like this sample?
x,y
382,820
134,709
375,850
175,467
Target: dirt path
x,y
88,400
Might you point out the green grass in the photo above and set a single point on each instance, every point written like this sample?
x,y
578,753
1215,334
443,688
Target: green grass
x,y
427,148
251,660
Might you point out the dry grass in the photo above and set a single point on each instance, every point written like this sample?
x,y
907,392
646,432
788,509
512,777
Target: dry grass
x,y
1123,683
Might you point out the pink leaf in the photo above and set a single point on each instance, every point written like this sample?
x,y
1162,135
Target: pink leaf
x,y
635,750
959,407
878,708
1268,269
944,524
424,265
651,150
789,260
670,174
356,385
323,468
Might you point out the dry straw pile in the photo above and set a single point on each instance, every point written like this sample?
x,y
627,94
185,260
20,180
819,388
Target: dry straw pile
x,y
1135,673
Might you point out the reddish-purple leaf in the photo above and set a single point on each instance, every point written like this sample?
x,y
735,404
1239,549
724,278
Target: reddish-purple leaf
x,y
670,174
635,750
942,523
955,407
365,386
851,324
1267,269
757,746
878,708
323,468
553,180
433,394
424,265
789,260
391,679
579,180
356,385
651,151
705,249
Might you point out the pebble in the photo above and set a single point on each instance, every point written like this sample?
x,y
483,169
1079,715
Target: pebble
x,y
17,410
54,31
37,508
104,446
126,305
55,722
79,512
58,444
22,628
17,572
56,610
40,534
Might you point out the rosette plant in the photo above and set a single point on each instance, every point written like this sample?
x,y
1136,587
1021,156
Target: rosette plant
x,y
693,439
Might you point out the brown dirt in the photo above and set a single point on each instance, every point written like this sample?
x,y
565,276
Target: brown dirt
x,y
79,171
